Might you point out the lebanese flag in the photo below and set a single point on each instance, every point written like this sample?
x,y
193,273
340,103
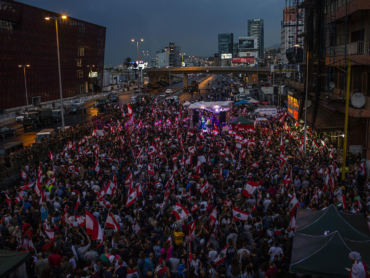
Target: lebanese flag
x,y
27,186
78,201
8,201
221,257
239,214
194,208
238,137
175,157
50,181
292,223
205,187
111,187
315,143
189,160
135,229
92,227
228,203
190,134
362,168
213,217
24,175
283,158
179,211
43,198
277,231
139,192
112,223
254,165
215,132
150,169
293,204
281,144
244,142
51,156
81,220
199,165
131,198
129,110
50,234
97,168
37,188
250,188
132,274
342,201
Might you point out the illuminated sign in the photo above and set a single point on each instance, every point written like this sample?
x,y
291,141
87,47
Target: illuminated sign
x,y
93,74
293,107
183,64
243,60
226,56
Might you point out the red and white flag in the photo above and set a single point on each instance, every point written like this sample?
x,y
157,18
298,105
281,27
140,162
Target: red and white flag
x,y
51,156
131,198
179,211
132,274
92,227
50,234
81,220
78,201
135,229
97,168
8,201
213,217
150,169
204,188
215,132
24,175
293,204
129,110
292,223
112,223
222,256
238,137
239,214
42,198
250,188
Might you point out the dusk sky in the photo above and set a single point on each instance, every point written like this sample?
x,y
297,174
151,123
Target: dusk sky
x,y
191,24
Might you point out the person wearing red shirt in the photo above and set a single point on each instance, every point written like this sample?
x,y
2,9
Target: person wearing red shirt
x,y
272,270
47,246
55,259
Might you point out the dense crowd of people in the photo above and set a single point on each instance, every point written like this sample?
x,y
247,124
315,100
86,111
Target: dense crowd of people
x,y
149,194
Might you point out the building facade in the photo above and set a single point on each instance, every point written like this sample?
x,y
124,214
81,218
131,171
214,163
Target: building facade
x,y
256,29
28,39
225,44
291,28
162,59
170,56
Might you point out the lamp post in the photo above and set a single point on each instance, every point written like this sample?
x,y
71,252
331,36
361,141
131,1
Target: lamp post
x,y
138,61
92,86
146,54
60,76
25,80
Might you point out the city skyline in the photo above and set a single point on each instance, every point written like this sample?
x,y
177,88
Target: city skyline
x,y
194,26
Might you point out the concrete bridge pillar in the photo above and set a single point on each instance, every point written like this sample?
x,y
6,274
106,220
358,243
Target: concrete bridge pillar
x,y
153,78
185,80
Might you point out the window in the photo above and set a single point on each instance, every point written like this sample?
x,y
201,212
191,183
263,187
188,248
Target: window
x,y
80,74
81,51
79,62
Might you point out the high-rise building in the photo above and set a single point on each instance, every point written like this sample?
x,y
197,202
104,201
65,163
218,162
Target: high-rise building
x,y
225,44
235,50
291,28
256,29
28,39
169,56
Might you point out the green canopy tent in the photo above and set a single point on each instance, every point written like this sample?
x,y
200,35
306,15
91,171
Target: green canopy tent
x,y
10,261
244,123
315,253
318,222
326,255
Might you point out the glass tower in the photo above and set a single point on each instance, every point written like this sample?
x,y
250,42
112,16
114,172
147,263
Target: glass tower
x,y
225,43
256,29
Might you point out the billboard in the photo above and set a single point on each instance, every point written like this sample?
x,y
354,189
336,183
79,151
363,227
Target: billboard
x,y
247,43
293,107
242,60
226,56
93,74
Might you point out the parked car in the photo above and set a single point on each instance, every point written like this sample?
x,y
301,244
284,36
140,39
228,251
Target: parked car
x,y
73,109
6,131
57,115
79,103
169,91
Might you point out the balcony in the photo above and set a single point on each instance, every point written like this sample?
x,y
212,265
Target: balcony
x,y
356,51
352,7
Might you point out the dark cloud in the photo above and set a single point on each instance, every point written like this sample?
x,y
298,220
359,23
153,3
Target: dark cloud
x,y
192,24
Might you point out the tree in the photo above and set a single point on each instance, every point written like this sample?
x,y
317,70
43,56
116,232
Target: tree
x,y
127,63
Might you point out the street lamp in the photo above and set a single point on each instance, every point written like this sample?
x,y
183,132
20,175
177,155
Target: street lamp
x,y
25,80
92,86
138,60
146,54
60,76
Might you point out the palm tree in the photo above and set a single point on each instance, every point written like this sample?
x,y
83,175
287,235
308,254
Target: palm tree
x,y
127,63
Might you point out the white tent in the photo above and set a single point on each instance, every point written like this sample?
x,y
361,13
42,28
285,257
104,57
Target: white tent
x,y
211,105
186,103
252,100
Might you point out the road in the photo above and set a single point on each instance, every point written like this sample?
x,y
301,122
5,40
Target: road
x,y
28,136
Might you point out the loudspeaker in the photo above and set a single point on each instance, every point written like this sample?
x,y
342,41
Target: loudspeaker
x,y
222,116
195,116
